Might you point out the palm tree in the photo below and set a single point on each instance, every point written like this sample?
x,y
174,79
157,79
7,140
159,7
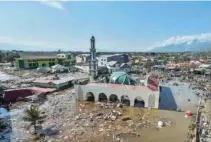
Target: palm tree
x,y
32,115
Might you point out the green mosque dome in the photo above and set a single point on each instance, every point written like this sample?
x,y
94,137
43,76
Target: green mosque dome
x,y
121,78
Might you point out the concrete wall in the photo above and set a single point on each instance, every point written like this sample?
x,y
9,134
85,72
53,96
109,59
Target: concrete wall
x,y
61,85
45,85
104,59
151,98
82,58
37,61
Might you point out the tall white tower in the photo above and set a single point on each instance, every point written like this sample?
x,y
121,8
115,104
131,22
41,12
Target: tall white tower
x,y
93,61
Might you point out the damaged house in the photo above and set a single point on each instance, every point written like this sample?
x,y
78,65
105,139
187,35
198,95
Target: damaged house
x,y
115,66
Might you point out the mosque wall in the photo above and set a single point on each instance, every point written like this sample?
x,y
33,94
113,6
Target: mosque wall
x,y
150,98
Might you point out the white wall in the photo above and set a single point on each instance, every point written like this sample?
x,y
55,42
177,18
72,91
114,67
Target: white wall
x,y
78,59
61,55
102,61
82,90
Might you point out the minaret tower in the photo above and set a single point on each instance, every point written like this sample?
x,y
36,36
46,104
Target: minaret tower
x,y
93,61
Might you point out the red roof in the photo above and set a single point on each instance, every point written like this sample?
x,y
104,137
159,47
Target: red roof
x,y
152,83
13,94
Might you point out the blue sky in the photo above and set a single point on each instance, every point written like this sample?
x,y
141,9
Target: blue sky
x,y
117,26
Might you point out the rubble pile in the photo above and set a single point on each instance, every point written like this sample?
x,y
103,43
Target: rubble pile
x,y
59,110
64,119
93,120
16,128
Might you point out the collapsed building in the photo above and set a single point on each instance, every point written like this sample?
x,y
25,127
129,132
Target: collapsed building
x,y
120,88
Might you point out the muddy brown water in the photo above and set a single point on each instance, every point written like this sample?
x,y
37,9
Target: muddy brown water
x,y
176,132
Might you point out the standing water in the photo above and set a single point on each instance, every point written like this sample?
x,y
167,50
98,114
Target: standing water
x,y
180,95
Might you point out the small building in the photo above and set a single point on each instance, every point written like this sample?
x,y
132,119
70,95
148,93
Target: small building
x,y
154,59
57,84
33,62
115,66
104,59
159,67
58,68
43,83
66,59
143,59
82,58
203,68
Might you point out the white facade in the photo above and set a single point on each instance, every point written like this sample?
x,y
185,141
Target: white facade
x,y
118,89
82,58
150,98
61,56
64,56
102,60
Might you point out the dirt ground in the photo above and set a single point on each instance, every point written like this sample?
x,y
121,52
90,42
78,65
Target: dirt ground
x,y
176,132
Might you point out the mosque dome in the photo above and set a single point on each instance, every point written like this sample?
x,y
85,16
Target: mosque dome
x,y
121,78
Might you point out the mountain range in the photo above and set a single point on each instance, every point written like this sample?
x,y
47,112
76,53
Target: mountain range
x,y
185,43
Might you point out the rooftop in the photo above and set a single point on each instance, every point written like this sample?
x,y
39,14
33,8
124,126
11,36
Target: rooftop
x,y
132,87
37,55
105,56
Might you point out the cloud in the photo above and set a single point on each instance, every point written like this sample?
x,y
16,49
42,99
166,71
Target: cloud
x,y
54,3
71,44
177,40
9,40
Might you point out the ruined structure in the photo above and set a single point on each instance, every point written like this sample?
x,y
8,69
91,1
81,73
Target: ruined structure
x,y
132,95
121,88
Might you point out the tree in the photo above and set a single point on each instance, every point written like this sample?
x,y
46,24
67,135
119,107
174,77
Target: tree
x,y
2,56
32,115
10,57
59,51
149,64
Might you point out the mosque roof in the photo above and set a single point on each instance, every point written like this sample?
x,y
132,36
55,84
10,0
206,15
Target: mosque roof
x,y
120,78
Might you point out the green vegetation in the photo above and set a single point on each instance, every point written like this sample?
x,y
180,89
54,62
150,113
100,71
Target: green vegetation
x,y
32,115
8,56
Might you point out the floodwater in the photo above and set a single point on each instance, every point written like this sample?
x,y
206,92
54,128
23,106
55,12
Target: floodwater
x,y
176,132
181,96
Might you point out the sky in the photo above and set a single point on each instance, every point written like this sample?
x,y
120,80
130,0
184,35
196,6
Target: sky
x,y
117,26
